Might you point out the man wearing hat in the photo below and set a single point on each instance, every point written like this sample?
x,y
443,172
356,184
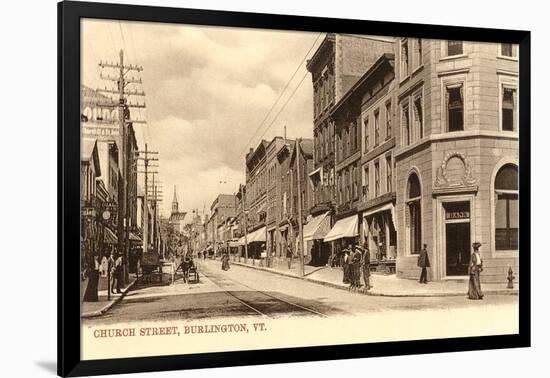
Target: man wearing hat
x,y
117,274
356,267
475,268
423,263
365,262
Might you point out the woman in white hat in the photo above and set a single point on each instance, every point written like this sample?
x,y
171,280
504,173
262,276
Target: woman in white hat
x,y
475,268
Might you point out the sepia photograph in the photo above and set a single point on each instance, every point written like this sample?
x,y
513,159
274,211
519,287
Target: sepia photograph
x,y
247,189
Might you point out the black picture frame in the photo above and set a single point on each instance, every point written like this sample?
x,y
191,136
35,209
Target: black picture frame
x,y
69,16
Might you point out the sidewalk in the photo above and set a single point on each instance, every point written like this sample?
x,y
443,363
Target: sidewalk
x,y
383,285
91,309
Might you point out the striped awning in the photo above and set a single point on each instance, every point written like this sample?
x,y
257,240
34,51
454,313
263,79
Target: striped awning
x,y
109,236
317,228
134,237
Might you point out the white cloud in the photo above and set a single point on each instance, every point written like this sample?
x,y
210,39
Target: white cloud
x,y
208,89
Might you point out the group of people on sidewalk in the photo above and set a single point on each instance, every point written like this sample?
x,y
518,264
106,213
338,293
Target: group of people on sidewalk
x,y
356,260
101,267
475,268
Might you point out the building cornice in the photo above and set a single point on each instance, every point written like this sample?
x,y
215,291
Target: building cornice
x,y
378,150
505,135
349,160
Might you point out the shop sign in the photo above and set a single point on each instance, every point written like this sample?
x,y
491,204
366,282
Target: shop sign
x,y
88,212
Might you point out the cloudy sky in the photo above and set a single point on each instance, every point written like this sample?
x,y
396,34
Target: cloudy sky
x,y
208,89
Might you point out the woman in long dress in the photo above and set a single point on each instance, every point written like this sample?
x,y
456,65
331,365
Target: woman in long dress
x,y
225,261
355,268
345,266
475,268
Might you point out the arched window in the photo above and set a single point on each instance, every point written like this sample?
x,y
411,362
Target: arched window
x,y
414,219
506,208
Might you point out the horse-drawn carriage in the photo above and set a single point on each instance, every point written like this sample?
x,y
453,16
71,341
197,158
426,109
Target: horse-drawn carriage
x,y
150,265
188,270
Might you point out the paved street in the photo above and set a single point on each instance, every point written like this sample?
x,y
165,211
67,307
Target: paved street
x,y
244,292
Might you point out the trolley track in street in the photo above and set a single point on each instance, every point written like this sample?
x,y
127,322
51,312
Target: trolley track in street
x,y
259,304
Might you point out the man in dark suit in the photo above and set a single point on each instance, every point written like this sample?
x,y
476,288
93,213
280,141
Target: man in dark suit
x,y
424,262
365,262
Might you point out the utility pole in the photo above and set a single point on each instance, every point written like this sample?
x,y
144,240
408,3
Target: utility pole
x,y
155,200
146,159
245,215
123,119
300,225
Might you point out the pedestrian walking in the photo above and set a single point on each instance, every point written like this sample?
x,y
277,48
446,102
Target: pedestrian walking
x,y
225,261
111,270
173,268
117,275
424,263
365,264
92,273
355,268
289,255
345,264
475,268
104,266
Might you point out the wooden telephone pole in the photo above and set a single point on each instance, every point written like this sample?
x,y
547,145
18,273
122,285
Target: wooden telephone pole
x,y
245,214
122,81
156,197
146,172
300,225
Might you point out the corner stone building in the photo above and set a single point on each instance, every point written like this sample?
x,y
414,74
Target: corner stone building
x,y
456,161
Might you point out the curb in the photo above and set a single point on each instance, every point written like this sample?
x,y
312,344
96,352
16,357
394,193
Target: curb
x,y
377,294
108,306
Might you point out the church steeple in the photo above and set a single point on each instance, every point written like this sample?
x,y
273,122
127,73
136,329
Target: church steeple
x,y
175,202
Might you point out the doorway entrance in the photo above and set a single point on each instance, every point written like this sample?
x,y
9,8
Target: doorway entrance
x,y
457,238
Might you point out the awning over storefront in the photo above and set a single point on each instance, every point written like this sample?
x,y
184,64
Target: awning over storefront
x,y
257,236
133,237
378,209
317,228
344,228
109,237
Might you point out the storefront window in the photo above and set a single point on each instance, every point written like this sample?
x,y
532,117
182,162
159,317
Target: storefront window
x,y
506,208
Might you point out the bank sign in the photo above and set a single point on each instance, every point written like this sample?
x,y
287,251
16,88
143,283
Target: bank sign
x,y
451,215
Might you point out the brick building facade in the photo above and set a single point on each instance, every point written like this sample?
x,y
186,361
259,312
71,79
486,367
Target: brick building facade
x,y
335,67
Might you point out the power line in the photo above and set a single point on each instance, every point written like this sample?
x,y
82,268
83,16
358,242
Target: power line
x,y
129,29
281,94
284,105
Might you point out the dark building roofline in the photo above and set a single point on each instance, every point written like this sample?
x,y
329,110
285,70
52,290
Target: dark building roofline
x,y
329,40
386,60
